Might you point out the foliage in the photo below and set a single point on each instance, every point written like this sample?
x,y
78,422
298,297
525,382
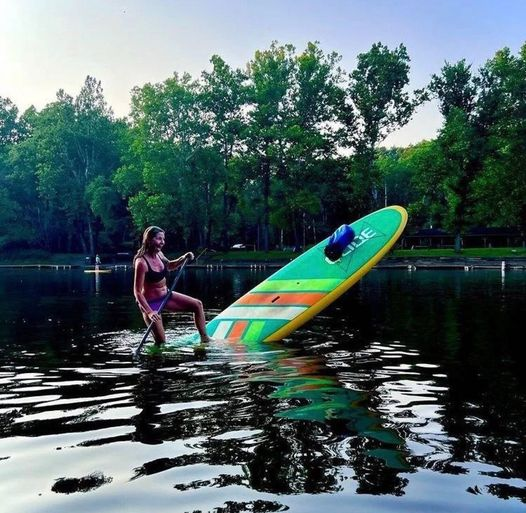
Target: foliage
x,y
276,154
223,96
72,142
380,103
500,189
460,143
12,228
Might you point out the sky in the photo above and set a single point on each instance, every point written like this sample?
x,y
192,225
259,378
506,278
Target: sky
x,y
47,45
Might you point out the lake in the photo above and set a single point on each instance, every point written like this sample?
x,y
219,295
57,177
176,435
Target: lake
x,y
406,395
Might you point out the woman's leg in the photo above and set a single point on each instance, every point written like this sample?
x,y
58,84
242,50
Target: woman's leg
x,y
182,303
157,329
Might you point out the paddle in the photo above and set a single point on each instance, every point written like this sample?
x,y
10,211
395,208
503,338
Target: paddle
x,y
165,300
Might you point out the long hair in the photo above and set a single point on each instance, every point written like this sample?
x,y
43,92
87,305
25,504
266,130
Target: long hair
x,y
147,237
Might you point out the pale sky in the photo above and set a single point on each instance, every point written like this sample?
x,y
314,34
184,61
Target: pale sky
x,y
47,45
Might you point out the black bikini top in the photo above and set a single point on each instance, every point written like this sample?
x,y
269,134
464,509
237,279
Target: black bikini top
x,y
152,276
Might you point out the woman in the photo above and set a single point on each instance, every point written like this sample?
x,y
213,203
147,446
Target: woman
x,y
149,285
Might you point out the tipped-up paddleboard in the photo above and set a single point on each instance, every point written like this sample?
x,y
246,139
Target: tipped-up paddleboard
x,y
308,284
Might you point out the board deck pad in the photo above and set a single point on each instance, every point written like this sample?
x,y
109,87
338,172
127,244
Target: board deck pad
x,y
304,287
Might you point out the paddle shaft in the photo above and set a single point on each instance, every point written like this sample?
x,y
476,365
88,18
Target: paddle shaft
x,y
165,300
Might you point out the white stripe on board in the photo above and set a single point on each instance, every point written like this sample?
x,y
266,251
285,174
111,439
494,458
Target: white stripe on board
x,y
262,312
222,329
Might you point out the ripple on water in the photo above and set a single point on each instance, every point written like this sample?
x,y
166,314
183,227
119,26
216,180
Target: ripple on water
x,y
328,419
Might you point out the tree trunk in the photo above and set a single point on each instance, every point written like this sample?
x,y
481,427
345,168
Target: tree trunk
x,y
295,232
224,229
91,238
208,237
265,168
304,234
458,242
83,241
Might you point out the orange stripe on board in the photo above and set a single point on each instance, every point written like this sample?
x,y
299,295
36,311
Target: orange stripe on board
x,y
281,298
237,329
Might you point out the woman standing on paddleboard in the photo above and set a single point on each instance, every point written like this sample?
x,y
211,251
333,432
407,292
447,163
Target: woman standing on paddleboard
x,y
150,288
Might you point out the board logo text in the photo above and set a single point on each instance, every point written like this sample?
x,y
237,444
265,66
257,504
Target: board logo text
x,y
365,235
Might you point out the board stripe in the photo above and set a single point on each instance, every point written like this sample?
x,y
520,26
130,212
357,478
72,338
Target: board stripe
x,y
222,329
237,329
280,299
254,331
262,312
299,285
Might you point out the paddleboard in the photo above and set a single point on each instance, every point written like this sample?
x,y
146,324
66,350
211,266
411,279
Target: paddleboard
x,y
98,271
298,291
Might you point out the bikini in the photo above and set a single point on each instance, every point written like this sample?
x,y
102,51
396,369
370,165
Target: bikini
x,y
152,276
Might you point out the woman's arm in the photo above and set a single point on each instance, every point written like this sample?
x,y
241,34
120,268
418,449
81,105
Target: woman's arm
x,y
178,262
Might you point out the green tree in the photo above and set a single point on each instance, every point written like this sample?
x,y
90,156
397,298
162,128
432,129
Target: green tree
x,y
310,141
18,201
461,141
10,127
222,98
378,103
75,141
169,174
33,218
395,175
164,118
424,162
455,87
8,207
108,206
270,74
500,188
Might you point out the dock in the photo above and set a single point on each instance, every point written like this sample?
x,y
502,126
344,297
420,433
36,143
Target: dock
x,y
411,264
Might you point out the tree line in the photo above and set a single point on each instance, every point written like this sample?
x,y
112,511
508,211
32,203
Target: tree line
x,y
276,154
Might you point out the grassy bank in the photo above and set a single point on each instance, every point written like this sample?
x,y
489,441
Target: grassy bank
x,y
43,257
249,256
261,256
468,253
258,256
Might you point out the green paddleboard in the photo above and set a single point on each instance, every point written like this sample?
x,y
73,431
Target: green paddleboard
x,y
304,287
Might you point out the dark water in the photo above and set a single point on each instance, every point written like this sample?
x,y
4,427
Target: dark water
x,y
407,395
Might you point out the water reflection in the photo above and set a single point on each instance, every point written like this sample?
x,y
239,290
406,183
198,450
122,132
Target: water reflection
x,y
303,389
411,384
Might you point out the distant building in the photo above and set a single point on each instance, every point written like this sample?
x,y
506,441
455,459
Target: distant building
x,y
478,237
428,238
484,237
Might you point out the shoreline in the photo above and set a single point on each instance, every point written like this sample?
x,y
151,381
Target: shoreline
x,y
408,263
